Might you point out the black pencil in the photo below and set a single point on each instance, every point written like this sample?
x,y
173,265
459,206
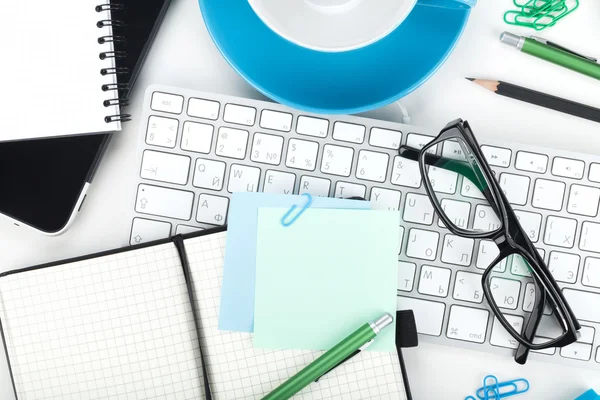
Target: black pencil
x,y
540,99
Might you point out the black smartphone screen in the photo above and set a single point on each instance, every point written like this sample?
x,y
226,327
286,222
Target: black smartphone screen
x,y
41,180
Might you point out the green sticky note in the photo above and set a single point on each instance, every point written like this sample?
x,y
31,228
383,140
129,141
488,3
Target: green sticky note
x,y
323,277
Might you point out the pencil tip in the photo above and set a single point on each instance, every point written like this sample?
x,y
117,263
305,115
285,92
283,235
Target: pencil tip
x,y
470,79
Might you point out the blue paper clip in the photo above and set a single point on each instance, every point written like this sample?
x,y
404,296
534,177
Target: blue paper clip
x,y
492,389
284,219
504,389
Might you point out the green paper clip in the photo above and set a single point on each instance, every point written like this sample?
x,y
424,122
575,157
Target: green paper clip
x,y
539,14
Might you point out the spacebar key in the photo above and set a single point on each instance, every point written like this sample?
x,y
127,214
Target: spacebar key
x,y
164,202
429,315
585,305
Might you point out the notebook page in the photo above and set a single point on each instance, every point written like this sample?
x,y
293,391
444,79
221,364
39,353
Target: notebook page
x,y
115,327
236,370
50,70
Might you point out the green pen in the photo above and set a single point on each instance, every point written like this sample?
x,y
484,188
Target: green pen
x,y
357,341
554,53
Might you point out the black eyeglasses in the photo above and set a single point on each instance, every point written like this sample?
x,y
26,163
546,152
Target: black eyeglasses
x,y
518,285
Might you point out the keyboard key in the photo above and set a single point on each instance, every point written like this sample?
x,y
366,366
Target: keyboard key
x,y
243,178
165,102
232,143
315,186
560,231
594,174
442,180
385,138
422,244
457,250
276,120
201,108
417,142
406,173
385,199
185,229
237,114
485,219
302,154
469,189
518,266
486,255
531,223
345,190
346,132
531,162
568,168
212,209
311,126
577,351
563,266
453,150
467,287
418,209
146,230
583,200
586,305
529,299
165,167
401,241
266,149
501,337
429,315
505,292
515,187
372,166
162,131
164,202
468,324
591,272
548,194
434,281
209,174
337,160
197,137
406,276
590,232
587,334
538,340
497,156
456,211
279,182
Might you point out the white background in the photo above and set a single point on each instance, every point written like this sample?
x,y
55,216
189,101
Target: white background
x,y
183,55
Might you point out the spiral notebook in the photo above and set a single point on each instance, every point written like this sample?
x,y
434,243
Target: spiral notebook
x,y
61,68
142,322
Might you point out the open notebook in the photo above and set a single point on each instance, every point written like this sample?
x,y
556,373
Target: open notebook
x,y
125,324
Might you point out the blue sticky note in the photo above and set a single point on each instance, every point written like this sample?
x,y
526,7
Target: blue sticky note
x,y
239,273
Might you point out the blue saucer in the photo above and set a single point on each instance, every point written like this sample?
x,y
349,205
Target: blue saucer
x,y
337,83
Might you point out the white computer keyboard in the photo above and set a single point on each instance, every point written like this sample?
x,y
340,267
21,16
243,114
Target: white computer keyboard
x,y
196,148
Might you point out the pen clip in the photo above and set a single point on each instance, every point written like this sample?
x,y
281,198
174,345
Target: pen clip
x,y
565,49
361,349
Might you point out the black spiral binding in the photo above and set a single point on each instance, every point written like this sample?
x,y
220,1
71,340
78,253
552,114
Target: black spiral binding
x,y
118,40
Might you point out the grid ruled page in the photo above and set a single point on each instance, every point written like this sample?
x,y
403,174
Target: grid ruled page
x,y
236,370
115,327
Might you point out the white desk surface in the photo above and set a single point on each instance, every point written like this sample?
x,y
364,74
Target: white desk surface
x,y
184,55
